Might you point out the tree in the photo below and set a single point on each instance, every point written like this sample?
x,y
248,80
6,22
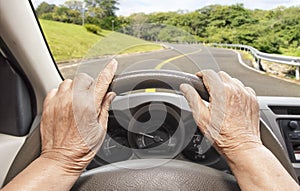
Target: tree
x,y
161,17
109,7
44,8
74,5
102,12
138,22
64,14
174,34
268,44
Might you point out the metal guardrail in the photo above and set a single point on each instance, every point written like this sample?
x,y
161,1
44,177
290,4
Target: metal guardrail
x,y
258,56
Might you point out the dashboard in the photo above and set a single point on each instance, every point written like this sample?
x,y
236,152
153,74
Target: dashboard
x,y
282,115
162,128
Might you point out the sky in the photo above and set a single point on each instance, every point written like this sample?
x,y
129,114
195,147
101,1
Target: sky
x,y
128,7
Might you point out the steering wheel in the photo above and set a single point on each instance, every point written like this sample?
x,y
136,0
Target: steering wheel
x,y
172,174
136,174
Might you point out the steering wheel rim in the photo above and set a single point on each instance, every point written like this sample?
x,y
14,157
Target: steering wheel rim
x,y
164,79
172,175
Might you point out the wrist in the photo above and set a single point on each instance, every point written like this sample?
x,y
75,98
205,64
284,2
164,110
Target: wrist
x,y
242,151
50,167
68,164
43,174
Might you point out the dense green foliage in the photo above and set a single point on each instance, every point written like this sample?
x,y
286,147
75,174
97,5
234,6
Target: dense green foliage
x,y
98,12
93,28
272,31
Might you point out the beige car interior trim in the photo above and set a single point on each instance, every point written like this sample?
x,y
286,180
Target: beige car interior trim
x,y
9,147
22,35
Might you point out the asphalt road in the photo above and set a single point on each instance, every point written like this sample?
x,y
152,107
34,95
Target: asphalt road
x,y
191,59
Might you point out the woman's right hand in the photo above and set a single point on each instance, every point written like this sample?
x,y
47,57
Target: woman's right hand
x,y
231,118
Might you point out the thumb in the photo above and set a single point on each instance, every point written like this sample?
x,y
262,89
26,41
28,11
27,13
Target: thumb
x,y
199,109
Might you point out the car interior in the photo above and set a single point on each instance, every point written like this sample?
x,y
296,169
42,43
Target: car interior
x,y
173,156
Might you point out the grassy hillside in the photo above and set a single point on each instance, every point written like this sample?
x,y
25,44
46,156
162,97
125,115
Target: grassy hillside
x,y
69,41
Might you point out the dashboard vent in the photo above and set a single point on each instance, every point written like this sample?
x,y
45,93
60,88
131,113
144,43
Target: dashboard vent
x,y
285,110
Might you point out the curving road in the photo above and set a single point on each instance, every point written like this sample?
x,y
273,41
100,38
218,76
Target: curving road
x,y
190,58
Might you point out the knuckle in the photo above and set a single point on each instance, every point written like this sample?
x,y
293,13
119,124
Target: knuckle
x,y
82,81
237,81
64,84
223,73
251,91
51,94
68,81
207,72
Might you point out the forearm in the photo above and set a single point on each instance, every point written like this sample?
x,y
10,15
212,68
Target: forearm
x,y
43,174
259,169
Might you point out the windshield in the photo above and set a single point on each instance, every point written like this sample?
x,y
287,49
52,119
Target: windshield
x,y
189,36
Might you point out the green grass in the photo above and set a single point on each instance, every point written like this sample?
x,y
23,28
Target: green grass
x,y
69,41
247,56
116,43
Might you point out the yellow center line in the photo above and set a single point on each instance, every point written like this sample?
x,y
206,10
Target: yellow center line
x,y
160,65
150,90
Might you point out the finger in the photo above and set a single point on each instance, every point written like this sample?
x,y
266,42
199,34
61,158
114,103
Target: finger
x,y
213,83
238,82
65,85
234,84
254,111
199,109
49,96
224,76
251,91
103,81
228,79
256,118
103,117
82,81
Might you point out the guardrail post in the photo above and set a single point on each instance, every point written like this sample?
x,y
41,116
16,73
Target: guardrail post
x,y
297,72
261,68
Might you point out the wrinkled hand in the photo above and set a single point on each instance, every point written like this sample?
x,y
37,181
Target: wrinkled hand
x,y
74,119
231,119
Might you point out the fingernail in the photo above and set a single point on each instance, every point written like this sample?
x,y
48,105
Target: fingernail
x,y
199,74
113,95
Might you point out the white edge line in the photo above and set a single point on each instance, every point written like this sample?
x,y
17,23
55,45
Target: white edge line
x,y
258,71
241,61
